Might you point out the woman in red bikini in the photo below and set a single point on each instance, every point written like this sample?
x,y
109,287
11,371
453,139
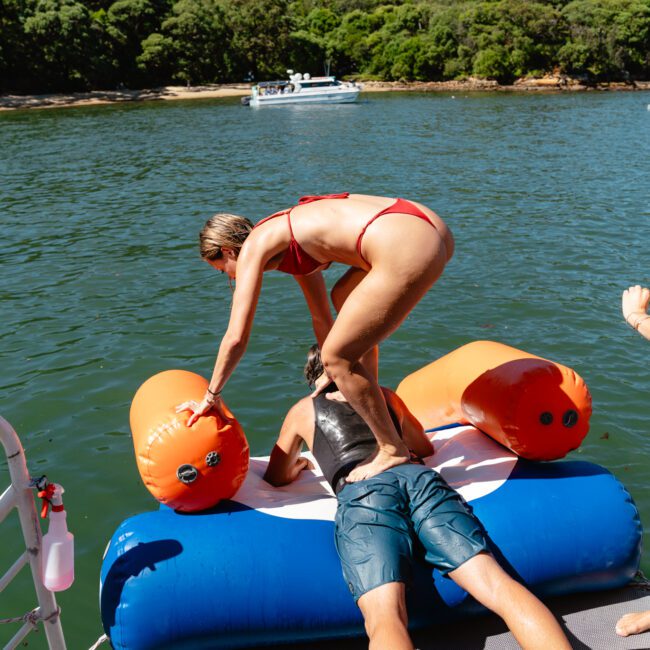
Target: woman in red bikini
x,y
396,249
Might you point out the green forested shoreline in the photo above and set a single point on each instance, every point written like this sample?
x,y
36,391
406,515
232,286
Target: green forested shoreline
x,y
74,45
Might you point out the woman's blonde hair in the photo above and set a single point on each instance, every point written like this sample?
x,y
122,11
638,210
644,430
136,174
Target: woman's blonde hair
x,y
227,230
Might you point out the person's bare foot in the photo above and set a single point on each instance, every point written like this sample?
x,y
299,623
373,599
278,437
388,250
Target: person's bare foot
x,y
379,462
634,623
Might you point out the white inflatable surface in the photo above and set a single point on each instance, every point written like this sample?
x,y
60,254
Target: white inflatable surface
x,y
468,460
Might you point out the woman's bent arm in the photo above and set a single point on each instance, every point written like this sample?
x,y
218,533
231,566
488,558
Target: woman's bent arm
x,y
315,292
286,463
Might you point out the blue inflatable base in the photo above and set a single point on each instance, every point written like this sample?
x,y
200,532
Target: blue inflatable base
x,y
235,576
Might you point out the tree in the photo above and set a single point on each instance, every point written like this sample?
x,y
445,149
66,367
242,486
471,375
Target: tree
x,y
492,63
310,48
59,41
13,71
128,23
261,36
74,44
350,42
607,38
158,60
192,45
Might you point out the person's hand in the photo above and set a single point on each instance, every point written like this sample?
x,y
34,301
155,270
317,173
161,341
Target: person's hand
x,y
201,408
635,304
306,463
320,385
336,396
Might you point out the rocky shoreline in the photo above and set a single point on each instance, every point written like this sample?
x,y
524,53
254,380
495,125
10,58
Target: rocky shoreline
x,y
550,83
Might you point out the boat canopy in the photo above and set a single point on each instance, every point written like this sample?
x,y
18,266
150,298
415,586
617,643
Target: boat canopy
x,y
267,84
319,83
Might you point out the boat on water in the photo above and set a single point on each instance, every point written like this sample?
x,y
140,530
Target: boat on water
x,y
302,89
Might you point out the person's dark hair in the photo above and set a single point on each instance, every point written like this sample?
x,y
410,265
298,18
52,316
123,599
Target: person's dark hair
x,y
314,366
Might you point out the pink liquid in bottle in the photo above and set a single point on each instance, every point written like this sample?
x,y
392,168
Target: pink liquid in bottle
x,y
58,549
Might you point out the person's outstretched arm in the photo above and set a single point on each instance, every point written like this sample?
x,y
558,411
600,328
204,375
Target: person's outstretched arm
x,y
250,270
635,311
635,307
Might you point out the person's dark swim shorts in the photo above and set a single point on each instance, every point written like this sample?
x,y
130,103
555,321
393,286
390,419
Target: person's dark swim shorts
x,y
378,520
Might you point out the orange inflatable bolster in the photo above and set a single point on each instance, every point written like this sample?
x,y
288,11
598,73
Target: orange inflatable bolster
x,y
537,408
188,469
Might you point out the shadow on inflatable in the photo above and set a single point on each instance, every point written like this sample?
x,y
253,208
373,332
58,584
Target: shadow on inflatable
x,y
131,564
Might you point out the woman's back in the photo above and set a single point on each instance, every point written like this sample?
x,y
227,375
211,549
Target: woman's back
x,y
330,229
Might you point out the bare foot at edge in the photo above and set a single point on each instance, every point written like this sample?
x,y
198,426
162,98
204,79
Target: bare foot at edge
x,y
634,623
376,464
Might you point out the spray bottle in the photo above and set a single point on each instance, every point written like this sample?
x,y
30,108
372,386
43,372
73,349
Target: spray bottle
x,y
58,544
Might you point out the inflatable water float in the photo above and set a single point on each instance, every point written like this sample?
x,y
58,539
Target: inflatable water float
x,y
261,568
537,408
186,468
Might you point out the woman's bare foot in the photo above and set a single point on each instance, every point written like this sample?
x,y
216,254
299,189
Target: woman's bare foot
x,y
380,461
633,623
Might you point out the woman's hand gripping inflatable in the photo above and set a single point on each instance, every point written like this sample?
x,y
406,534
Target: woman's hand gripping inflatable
x,y
207,404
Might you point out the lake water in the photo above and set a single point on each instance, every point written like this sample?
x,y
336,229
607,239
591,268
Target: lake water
x,y
102,285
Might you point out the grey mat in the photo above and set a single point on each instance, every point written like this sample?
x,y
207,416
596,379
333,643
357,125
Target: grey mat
x,y
588,620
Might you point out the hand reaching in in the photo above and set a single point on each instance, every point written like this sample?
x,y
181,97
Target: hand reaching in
x,y
305,463
634,304
320,385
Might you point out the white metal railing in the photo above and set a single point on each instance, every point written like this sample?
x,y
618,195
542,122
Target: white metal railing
x,y
19,495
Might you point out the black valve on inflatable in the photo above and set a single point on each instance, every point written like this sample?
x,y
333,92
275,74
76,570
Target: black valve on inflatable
x,y
546,418
570,418
212,459
187,474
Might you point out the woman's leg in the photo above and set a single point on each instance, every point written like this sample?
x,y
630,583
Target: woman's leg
x,y
340,292
373,310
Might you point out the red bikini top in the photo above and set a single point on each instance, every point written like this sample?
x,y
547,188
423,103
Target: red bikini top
x,y
296,260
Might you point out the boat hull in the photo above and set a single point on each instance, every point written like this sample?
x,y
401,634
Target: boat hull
x,y
346,97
